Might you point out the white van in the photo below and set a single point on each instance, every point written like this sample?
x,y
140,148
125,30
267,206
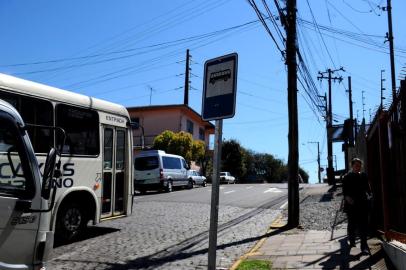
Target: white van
x,y
157,170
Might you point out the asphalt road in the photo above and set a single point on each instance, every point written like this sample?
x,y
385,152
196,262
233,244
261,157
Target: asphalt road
x,y
171,230
238,195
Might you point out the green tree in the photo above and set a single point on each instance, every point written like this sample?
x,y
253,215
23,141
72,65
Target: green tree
x,y
198,150
181,144
161,142
232,158
304,175
249,163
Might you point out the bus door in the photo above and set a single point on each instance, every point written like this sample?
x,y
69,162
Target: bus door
x,y
114,171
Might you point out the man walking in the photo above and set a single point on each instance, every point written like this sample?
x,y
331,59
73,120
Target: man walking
x,y
357,193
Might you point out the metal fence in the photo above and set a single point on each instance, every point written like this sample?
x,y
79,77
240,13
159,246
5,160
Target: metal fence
x,y
386,156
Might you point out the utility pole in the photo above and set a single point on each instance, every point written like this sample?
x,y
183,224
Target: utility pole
x,y
330,169
382,88
350,103
187,70
363,105
318,160
150,94
293,159
349,141
391,50
357,116
350,96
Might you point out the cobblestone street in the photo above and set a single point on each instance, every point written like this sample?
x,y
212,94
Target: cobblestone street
x,y
165,235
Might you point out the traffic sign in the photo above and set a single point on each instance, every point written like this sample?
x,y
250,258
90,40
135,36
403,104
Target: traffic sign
x,y
219,87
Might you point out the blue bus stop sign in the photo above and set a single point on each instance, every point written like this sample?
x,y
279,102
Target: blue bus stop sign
x,y
220,87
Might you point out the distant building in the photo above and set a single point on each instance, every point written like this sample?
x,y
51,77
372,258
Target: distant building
x,y
176,118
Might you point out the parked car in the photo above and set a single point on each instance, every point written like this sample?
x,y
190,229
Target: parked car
x,y
157,170
197,178
226,177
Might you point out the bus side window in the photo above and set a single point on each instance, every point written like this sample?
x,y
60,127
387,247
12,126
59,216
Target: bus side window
x,y
36,112
82,130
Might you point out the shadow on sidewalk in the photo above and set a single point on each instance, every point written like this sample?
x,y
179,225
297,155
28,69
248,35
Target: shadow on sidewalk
x,y
182,251
342,259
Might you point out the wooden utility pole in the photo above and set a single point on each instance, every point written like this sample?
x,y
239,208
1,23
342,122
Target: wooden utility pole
x,y
350,104
293,159
349,142
330,168
391,50
350,99
187,71
363,105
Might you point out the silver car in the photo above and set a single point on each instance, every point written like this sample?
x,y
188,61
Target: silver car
x,y
197,178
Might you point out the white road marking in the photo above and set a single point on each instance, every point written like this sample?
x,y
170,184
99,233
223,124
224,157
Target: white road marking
x,y
222,187
228,192
249,187
283,205
274,190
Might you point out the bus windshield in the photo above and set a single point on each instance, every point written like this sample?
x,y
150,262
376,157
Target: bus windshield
x,y
13,181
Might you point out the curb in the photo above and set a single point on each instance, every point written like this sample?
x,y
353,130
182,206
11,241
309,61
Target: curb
x,y
277,223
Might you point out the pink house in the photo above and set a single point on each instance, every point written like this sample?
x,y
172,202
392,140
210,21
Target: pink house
x,y
158,118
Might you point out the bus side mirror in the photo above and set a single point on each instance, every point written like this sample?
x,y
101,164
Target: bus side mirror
x,y
49,170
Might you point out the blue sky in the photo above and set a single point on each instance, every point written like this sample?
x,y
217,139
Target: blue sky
x,y
119,50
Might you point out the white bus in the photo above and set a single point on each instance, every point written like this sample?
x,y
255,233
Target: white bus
x,y
97,171
25,197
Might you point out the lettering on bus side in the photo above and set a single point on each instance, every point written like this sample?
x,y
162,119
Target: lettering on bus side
x,y
23,220
115,119
7,177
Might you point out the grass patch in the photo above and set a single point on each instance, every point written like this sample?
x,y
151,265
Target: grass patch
x,y
255,265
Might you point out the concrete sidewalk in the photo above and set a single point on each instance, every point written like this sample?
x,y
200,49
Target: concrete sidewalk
x,y
317,249
299,249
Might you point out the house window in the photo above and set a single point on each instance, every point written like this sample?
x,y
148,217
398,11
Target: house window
x,y
189,126
201,134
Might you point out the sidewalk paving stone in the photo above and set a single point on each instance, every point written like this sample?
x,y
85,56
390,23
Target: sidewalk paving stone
x,y
319,249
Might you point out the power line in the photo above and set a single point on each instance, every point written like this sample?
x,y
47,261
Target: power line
x,y
162,45
261,18
321,36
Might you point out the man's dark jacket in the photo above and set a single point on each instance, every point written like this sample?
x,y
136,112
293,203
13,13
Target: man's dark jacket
x,y
356,186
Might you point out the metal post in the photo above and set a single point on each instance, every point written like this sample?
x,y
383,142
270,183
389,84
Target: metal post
x,y
215,195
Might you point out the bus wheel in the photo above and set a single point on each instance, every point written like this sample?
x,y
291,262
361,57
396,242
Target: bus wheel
x,y
169,187
71,222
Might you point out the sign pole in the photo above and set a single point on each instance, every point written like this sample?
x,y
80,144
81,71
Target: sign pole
x,y
215,195
218,103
